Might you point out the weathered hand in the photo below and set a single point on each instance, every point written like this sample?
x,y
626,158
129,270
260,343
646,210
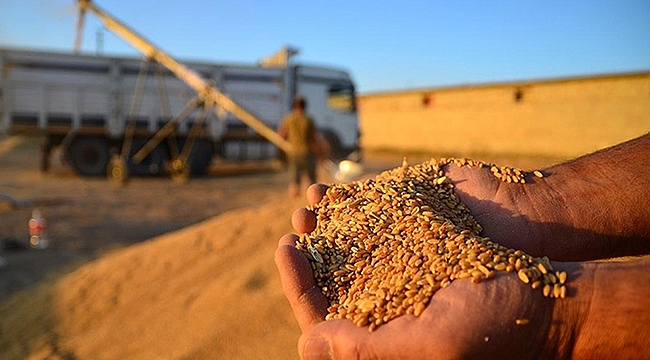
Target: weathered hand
x,y
525,216
578,211
464,320
606,306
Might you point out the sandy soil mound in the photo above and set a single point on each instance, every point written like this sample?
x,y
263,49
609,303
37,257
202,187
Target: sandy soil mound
x,y
210,291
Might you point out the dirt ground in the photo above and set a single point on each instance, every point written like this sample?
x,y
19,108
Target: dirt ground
x,y
88,216
152,269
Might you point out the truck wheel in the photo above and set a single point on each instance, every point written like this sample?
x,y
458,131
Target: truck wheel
x,y
152,164
89,156
200,157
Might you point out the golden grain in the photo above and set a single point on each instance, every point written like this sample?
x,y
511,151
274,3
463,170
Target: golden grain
x,y
522,321
542,268
523,277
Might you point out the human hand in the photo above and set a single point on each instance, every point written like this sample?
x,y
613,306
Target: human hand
x,y
592,207
464,320
526,216
573,213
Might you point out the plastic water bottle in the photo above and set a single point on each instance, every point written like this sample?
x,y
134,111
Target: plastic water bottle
x,y
37,231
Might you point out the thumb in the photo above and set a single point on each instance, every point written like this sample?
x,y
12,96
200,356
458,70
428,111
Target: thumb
x,y
336,339
315,348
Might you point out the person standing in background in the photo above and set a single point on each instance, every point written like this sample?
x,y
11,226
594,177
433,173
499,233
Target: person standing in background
x,y
298,128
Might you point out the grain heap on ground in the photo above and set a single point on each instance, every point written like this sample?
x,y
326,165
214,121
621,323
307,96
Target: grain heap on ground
x,y
382,247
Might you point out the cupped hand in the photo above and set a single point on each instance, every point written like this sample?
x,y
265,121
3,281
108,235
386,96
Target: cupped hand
x,y
464,320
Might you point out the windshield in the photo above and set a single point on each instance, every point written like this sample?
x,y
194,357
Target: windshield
x,y
341,97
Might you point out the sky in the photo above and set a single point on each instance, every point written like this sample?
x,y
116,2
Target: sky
x,y
385,45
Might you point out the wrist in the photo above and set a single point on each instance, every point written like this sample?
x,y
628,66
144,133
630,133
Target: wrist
x,y
570,313
616,323
604,202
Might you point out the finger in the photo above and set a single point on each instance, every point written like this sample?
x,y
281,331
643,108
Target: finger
x,y
306,299
472,183
303,220
331,339
316,192
342,339
288,239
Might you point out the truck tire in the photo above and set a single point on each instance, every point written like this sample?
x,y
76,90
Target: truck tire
x,y
89,156
200,157
152,164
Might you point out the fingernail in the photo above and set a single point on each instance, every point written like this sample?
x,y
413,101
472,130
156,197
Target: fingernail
x,y
318,349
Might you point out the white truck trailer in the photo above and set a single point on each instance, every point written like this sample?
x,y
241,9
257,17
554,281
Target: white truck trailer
x,y
88,104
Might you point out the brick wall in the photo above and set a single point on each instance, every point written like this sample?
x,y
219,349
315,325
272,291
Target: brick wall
x,y
559,118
